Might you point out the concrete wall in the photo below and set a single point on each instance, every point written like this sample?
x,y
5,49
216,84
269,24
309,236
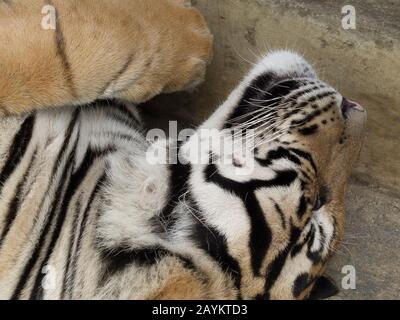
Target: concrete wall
x,y
364,65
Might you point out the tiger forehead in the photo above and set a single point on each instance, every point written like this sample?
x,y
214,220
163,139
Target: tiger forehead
x,y
296,93
280,98
270,83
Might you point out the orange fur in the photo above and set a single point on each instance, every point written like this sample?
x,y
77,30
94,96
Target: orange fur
x,y
131,50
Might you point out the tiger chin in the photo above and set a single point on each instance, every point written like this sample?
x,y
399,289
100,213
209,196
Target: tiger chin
x,y
84,215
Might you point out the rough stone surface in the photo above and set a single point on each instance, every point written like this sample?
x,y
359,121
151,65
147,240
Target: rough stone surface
x,y
371,244
364,65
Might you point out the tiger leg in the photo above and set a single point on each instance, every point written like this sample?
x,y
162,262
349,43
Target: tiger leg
x,y
58,52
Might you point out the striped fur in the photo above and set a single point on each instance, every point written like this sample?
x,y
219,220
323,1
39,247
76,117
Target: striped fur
x,y
100,49
80,202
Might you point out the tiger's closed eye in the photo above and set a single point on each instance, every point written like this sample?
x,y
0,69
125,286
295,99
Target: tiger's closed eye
x,y
319,203
321,199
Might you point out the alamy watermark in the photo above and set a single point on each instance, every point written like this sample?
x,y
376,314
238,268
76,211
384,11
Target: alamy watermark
x,y
49,282
203,146
49,20
349,19
349,280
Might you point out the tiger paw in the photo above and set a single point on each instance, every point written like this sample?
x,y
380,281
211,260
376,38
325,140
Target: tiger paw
x,y
195,50
132,50
181,49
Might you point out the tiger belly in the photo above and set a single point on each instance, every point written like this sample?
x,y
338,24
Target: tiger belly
x,y
53,170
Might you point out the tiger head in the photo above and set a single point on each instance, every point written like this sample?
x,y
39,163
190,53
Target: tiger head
x,y
277,225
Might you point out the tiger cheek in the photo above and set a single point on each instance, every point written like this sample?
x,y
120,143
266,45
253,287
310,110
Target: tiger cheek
x,y
319,145
323,145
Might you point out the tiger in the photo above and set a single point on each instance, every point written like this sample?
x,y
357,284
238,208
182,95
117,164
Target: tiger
x,y
56,52
82,205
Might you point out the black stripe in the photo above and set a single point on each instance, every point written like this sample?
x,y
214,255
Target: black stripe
x,y
280,153
260,236
300,284
56,220
307,119
316,256
76,180
305,155
73,262
23,279
125,111
335,228
116,260
72,243
262,88
15,203
17,149
215,244
313,114
261,233
323,288
309,130
274,269
118,111
118,75
283,178
304,91
302,207
122,121
298,247
306,176
321,96
39,244
297,108
281,89
179,175
280,213
253,91
61,52
64,148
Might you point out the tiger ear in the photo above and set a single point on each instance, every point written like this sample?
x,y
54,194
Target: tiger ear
x,y
323,288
